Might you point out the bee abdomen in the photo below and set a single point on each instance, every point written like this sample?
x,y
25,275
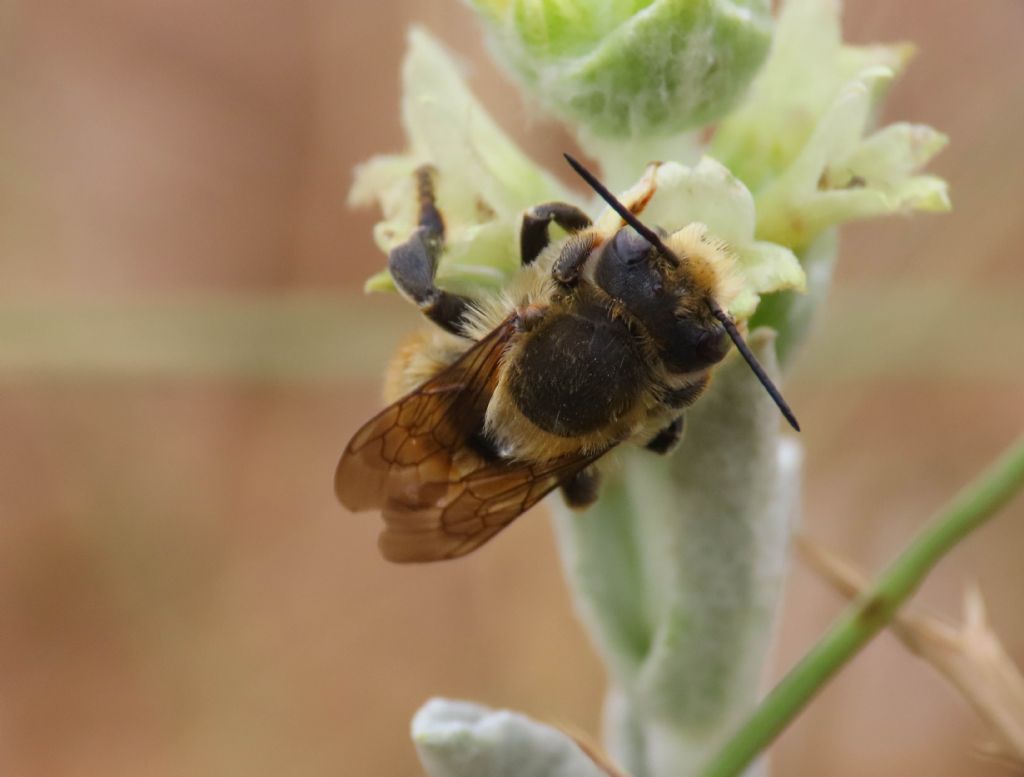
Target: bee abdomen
x,y
575,374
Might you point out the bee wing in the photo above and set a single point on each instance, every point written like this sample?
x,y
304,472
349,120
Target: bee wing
x,y
472,510
413,442
415,462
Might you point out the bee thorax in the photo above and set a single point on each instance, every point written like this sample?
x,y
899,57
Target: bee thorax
x,y
576,374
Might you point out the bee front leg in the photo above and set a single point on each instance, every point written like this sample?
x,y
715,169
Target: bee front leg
x,y
534,237
668,439
581,489
413,264
566,269
682,398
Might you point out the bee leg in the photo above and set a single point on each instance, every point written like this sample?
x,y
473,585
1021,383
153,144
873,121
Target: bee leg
x,y
681,398
668,438
413,264
534,237
566,269
580,490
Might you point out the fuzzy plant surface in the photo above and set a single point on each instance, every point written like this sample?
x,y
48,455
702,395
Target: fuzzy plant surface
x,y
677,570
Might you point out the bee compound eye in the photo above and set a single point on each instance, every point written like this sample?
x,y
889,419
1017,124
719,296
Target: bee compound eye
x,y
631,248
713,345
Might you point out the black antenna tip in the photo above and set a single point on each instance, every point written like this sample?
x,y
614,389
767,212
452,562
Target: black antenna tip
x,y
792,419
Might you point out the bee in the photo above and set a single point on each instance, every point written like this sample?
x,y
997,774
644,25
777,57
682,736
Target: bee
x,y
607,336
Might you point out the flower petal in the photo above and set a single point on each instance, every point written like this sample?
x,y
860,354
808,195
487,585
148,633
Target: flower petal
x,y
807,67
707,193
767,267
892,153
839,177
448,127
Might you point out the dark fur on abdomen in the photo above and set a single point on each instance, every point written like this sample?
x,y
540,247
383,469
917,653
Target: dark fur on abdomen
x,y
577,372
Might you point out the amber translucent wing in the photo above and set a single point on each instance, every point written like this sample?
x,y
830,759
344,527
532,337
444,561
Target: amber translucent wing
x,y
415,462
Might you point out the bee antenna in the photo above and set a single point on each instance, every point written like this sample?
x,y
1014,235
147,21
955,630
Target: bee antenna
x,y
628,216
755,365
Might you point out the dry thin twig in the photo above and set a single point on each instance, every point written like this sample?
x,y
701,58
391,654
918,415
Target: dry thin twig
x,y
593,751
970,656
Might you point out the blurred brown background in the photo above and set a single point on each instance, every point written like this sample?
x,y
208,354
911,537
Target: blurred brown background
x,y
184,352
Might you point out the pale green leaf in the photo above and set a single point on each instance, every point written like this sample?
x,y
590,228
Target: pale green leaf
x,y
461,739
632,69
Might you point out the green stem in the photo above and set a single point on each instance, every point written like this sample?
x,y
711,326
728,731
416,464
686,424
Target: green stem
x,y
872,611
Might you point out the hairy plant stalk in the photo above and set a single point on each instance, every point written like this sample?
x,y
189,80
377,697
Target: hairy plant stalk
x,y
678,571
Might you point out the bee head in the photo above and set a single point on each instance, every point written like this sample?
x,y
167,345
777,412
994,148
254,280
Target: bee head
x,y
627,264
667,298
